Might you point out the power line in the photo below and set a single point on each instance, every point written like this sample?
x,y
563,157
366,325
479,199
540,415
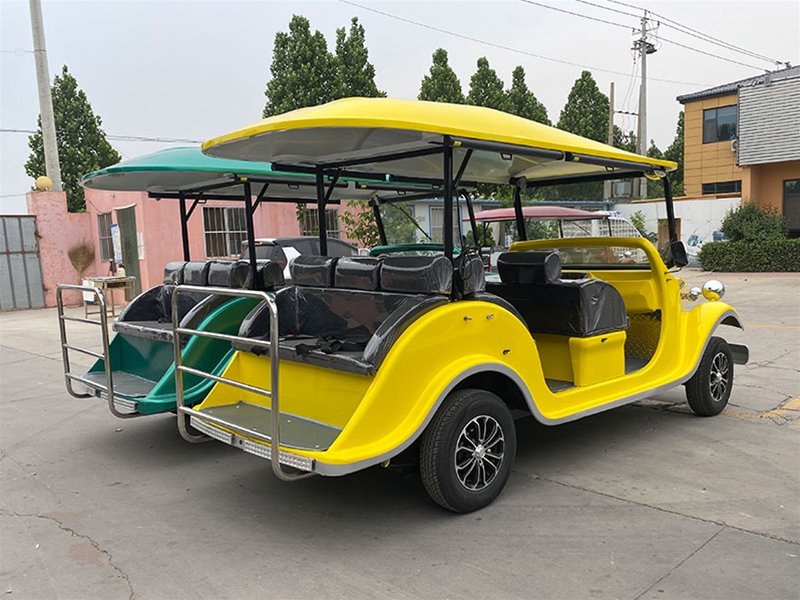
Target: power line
x,y
123,138
502,47
575,14
622,12
672,24
730,60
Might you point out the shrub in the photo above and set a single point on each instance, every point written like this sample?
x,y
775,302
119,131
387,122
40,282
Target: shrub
x,y
752,223
776,255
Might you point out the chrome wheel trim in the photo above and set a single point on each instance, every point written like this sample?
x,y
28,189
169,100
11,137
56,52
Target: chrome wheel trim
x,y
479,452
719,379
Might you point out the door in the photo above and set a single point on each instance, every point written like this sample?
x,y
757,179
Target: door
x,y
21,283
126,219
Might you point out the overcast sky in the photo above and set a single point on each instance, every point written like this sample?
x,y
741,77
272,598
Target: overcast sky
x,y
192,69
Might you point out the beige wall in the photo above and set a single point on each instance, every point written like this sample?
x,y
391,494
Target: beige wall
x,y
706,163
763,184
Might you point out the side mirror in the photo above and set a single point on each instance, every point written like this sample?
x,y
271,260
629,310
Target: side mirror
x,y
675,255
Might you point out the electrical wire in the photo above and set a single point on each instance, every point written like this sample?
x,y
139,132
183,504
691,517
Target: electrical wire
x,y
672,24
508,48
575,14
622,12
730,60
122,138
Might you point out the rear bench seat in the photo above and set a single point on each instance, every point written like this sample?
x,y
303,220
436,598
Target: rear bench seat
x,y
149,315
346,313
531,282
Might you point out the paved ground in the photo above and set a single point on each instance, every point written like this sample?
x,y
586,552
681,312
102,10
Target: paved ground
x,y
644,502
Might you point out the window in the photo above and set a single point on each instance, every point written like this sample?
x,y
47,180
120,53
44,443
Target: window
x,y
437,226
225,229
791,204
722,187
309,222
104,233
719,124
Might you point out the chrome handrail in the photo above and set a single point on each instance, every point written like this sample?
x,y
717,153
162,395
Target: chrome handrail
x,y
69,376
274,349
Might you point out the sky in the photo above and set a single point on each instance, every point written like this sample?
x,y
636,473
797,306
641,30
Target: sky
x,y
191,70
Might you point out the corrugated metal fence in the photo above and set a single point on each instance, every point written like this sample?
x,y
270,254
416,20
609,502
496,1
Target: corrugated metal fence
x,y
21,284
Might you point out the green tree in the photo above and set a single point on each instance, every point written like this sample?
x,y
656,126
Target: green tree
x,y
520,100
356,75
585,114
675,153
586,110
82,144
441,84
359,223
303,71
486,88
752,223
655,189
624,141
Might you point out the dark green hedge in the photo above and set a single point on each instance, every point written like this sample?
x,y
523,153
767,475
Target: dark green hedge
x,y
749,257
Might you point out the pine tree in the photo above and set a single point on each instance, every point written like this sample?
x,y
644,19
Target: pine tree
x,y
356,75
82,144
486,88
520,100
303,71
441,84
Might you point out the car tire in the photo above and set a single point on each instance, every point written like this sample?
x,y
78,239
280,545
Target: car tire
x,y
710,387
467,451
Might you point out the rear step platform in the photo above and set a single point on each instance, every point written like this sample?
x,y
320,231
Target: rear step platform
x,y
296,432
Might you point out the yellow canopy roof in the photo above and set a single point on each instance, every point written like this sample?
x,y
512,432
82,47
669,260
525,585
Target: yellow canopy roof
x,y
356,130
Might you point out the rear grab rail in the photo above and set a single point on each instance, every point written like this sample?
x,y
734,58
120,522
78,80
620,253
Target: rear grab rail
x,y
273,394
69,376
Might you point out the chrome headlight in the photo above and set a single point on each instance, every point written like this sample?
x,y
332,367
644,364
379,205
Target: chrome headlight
x,y
713,290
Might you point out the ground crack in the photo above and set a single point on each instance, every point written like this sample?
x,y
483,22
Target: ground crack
x,y
660,509
73,533
690,555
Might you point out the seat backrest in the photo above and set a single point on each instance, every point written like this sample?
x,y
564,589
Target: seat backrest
x,y
358,273
196,272
228,273
538,267
173,273
310,270
469,274
417,274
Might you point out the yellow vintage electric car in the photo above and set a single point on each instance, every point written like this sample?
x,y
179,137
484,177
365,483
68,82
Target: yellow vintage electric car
x,y
363,357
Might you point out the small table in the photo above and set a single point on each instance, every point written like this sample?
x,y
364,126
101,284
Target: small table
x,y
110,284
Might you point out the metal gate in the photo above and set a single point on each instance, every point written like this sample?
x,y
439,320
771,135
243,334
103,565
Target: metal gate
x,y
21,284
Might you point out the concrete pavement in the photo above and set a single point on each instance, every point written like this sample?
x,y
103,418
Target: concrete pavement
x,y
646,501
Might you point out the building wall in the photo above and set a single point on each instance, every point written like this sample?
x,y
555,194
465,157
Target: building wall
x,y
706,163
763,184
58,231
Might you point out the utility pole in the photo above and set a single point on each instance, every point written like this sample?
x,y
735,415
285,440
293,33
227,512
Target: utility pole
x,y
607,185
51,163
644,48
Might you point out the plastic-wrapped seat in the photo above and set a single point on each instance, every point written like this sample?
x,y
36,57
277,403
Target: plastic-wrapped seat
x,y
576,308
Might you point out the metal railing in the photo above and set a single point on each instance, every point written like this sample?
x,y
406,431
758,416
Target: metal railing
x,y
66,347
185,412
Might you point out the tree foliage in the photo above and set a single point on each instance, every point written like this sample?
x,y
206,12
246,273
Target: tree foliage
x,y
675,153
355,74
520,100
303,71
82,144
486,88
586,110
441,84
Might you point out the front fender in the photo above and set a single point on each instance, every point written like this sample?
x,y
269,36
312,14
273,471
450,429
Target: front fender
x,y
699,325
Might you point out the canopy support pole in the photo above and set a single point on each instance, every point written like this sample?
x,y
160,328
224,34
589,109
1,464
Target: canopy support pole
x,y
184,227
520,220
251,235
321,196
376,211
448,198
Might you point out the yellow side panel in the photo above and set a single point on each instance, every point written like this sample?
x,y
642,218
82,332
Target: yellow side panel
x,y
554,353
597,358
304,390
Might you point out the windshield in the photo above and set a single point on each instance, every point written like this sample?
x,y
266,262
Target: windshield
x,y
592,257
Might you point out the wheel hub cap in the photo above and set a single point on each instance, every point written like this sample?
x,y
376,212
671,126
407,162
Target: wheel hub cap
x,y
479,452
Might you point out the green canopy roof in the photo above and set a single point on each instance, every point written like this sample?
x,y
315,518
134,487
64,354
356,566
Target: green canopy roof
x,y
188,170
